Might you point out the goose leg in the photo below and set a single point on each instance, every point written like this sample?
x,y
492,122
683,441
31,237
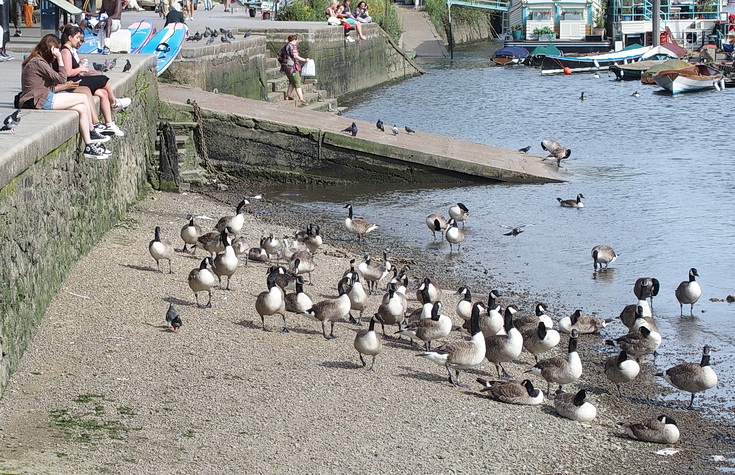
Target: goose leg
x,y
451,377
691,402
209,302
372,364
184,249
228,283
169,267
285,327
691,310
505,373
363,360
620,393
262,320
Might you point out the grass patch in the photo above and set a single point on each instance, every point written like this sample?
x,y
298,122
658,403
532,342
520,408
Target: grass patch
x,y
90,422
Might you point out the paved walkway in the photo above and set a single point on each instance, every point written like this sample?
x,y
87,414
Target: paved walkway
x,y
420,36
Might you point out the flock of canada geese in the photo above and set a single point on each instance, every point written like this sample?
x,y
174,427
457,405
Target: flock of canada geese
x,y
496,334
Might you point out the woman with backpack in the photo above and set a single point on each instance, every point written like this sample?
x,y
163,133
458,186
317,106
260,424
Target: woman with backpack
x,y
291,67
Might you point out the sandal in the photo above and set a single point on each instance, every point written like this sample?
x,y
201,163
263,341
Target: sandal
x,y
289,98
301,101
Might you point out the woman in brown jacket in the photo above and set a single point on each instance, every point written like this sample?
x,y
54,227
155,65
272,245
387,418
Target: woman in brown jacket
x,y
44,88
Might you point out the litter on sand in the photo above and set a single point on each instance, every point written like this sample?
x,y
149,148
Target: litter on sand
x,y
667,452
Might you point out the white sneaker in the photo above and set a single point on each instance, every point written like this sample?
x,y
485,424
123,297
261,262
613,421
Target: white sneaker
x,y
112,127
349,39
121,103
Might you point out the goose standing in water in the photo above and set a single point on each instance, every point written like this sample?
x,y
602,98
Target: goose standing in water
x,y
688,292
556,150
459,213
659,430
454,235
368,342
501,349
459,355
603,255
225,264
621,369
560,370
272,301
692,377
202,279
161,249
513,392
577,203
236,222
358,226
436,224
646,288
190,233
574,406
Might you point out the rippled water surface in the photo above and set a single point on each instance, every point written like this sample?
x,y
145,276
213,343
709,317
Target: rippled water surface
x,y
656,171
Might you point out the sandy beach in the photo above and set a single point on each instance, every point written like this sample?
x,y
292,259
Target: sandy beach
x,y
106,388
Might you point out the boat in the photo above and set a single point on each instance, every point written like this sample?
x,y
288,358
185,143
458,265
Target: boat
x,y
693,78
634,71
647,76
538,54
601,62
510,55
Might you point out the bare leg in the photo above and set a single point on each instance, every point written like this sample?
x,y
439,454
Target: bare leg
x,y
358,26
78,103
105,105
90,100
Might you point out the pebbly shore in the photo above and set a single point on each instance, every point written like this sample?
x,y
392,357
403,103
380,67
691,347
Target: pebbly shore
x,y
106,388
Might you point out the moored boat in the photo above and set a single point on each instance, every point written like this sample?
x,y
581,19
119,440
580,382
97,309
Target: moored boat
x,y
601,62
647,76
539,53
634,71
510,55
693,78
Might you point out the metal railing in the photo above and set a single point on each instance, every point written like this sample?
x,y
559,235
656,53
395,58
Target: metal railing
x,y
637,10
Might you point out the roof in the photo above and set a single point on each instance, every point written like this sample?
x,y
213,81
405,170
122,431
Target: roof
x,y
66,6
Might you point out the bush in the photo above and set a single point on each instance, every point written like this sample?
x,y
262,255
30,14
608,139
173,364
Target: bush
x,y
547,30
439,15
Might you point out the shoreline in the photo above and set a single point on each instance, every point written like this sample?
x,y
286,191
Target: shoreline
x,y
223,396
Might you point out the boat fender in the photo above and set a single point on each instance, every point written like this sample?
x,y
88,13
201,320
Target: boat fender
x,y
597,65
717,85
722,83
567,70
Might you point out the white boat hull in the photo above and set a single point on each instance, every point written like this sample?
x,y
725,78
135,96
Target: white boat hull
x,y
680,83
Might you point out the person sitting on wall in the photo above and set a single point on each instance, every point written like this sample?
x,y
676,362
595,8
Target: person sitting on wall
x,y
361,13
174,14
344,13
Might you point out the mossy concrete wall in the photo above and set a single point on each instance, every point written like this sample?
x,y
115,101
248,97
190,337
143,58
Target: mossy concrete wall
x,y
55,203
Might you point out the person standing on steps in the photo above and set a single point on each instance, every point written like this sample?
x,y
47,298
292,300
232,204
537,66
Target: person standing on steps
x,y
291,67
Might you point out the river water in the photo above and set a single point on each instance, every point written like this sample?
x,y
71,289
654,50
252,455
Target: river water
x,y
656,172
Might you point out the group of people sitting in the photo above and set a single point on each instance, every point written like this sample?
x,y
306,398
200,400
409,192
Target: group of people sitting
x,y
343,15
53,78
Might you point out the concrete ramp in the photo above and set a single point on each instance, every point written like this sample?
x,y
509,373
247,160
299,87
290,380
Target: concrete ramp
x,y
323,131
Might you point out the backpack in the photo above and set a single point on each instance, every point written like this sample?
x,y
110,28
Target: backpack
x,y
285,59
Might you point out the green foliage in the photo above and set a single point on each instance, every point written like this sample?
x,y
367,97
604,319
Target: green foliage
x,y
304,11
439,15
547,30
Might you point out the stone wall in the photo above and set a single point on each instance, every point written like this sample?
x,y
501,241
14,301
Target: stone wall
x,y
55,204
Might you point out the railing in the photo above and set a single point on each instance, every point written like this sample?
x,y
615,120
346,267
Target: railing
x,y
642,10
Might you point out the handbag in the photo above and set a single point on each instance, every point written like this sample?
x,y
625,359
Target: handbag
x,y
334,21
309,69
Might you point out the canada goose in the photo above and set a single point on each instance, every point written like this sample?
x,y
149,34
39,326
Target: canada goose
x,y
636,94
400,279
298,301
689,292
173,320
646,288
357,225
555,150
659,430
459,355
202,279
258,254
434,292
513,392
358,297
424,311
272,246
190,233
393,308
436,223
464,306
603,255
368,342
313,239
574,406
225,264
639,343
291,246
583,96
584,324
530,322
504,348
630,312
692,377
372,272
429,329
331,310
161,249
572,203
560,370
641,321
211,243
540,339
272,301
240,245
235,223
454,235
492,321
302,262
621,369
459,213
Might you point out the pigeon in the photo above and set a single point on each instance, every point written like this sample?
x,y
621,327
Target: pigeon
x,y
224,39
524,149
190,38
583,96
222,30
98,67
207,32
110,66
173,320
351,129
215,33
11,122
230,35
409,130
248,33
127,66
394,130
636,94
379,125
555,150
210,40
514,231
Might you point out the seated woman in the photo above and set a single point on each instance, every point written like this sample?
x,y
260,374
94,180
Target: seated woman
x,y
98,84
343,12
44,88
361,13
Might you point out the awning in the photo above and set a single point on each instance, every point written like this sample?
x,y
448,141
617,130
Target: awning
x,y
66,6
